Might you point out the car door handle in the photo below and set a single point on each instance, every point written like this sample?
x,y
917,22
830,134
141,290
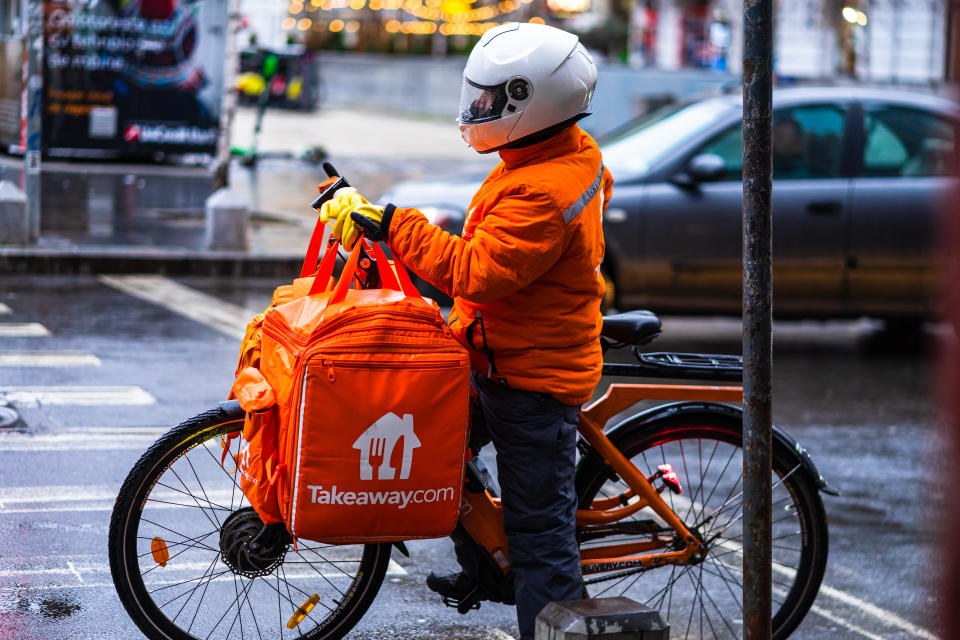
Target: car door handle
x,y
824,207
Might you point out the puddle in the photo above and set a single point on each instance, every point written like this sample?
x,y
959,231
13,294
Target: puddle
x,y
55,607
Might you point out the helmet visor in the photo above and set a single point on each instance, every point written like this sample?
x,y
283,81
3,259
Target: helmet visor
x,y
481,104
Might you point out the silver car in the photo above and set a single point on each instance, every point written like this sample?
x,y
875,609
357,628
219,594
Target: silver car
x,y
861,177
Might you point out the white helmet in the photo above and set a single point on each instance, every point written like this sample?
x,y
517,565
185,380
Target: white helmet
x,y
522,79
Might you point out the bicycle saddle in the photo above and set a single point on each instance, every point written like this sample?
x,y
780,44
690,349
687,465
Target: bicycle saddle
x,y
633,327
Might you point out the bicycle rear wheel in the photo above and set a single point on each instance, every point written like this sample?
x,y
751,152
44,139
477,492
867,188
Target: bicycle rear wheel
x,y
704,599
181,566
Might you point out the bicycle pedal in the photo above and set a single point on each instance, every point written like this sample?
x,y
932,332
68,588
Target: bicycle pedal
x,y
465,604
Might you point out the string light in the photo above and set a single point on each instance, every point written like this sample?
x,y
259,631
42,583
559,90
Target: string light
x,y
447,17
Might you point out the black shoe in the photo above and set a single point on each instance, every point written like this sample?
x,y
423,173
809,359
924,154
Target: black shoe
x,y
455,586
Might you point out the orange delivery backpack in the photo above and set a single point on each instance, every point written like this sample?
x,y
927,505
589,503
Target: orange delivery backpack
x,y
357,410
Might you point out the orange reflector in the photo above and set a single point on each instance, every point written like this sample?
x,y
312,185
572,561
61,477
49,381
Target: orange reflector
x,y
159,549
302,612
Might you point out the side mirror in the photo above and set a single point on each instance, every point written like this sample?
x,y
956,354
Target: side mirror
x,y
701,168
705,167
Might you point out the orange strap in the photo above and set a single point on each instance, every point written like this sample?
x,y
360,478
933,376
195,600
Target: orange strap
x,y
346,278
313,250
405,283
393,275
225,444
325,270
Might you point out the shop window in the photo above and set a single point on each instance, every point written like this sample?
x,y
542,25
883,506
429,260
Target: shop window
x,y
9,17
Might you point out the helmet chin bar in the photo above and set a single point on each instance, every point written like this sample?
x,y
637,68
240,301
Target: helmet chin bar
x,y
484,137
529,139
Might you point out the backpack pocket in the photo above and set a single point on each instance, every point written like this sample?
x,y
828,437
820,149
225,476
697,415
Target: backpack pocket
x,y
258,463
379,449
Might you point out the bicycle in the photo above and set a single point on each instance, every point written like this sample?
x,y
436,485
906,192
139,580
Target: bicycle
x,y
658,519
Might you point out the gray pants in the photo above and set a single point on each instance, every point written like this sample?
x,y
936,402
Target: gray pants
x,y
535,437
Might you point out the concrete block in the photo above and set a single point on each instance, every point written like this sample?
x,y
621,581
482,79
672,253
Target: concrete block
x,y
14,226
227,219
603,618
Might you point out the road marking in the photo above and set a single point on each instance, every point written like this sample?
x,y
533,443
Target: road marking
x,y
882,615
81,568
119,440
81,498
79,396
48,359
23,330
5,309
196,305
820,611
74,571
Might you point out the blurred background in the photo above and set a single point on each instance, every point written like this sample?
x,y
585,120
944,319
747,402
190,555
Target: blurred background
x,y
179,149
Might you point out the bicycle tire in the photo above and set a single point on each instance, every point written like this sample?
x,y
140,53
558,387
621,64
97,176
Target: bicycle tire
x,y
716,436
145,493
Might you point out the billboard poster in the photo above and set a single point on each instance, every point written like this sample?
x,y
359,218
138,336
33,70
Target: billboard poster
x,y
129,78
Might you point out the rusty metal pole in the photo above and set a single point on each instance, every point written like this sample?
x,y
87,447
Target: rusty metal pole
x,y
757,315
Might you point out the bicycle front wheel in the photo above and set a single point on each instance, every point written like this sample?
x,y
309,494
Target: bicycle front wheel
x,y
703,599
182,567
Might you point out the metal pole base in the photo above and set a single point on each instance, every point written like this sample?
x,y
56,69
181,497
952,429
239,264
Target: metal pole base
x,y
14,223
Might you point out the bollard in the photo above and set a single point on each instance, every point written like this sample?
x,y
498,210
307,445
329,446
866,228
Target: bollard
x,y
603,618
14,226
227,220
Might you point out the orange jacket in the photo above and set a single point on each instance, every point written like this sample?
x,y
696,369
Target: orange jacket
x,y
525,275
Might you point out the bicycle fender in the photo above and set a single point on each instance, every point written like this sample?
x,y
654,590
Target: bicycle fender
x,y
231,409
710,412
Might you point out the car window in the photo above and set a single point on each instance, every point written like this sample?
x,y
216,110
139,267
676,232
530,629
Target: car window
x,y
638,150
907,142
807,143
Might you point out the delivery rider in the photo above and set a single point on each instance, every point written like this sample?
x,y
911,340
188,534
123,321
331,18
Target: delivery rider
x,y
525,279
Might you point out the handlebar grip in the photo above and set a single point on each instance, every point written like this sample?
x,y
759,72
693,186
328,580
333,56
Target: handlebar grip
x,y
328,192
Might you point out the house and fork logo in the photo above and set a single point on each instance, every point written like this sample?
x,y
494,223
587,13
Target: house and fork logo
x,y
377,443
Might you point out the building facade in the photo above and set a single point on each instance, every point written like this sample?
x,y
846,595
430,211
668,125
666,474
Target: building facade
x,y
880,40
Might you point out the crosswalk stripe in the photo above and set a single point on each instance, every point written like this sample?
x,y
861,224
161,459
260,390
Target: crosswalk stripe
x,y
81,498
5,309
71,442
48,359
196,305
82,439
102,572
23,330
80,396
78,568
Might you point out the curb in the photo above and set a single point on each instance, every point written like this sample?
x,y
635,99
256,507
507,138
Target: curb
x,y
78,260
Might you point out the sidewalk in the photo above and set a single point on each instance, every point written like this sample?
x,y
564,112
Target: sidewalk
x,y
112,218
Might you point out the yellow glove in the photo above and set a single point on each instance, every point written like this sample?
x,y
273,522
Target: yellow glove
x,y
336,213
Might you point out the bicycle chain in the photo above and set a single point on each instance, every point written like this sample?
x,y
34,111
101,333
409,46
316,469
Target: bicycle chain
x,y
614,576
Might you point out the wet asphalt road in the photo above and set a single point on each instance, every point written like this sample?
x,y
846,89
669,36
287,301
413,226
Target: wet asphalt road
x,y
860,406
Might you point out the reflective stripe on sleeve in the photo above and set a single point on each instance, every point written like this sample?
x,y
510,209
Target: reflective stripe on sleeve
x,y
577,207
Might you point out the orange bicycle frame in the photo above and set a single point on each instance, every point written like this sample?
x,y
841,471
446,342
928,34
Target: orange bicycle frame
x,y
482,515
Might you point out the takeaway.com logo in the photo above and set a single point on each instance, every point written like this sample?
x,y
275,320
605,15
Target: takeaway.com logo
x,y
376,446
